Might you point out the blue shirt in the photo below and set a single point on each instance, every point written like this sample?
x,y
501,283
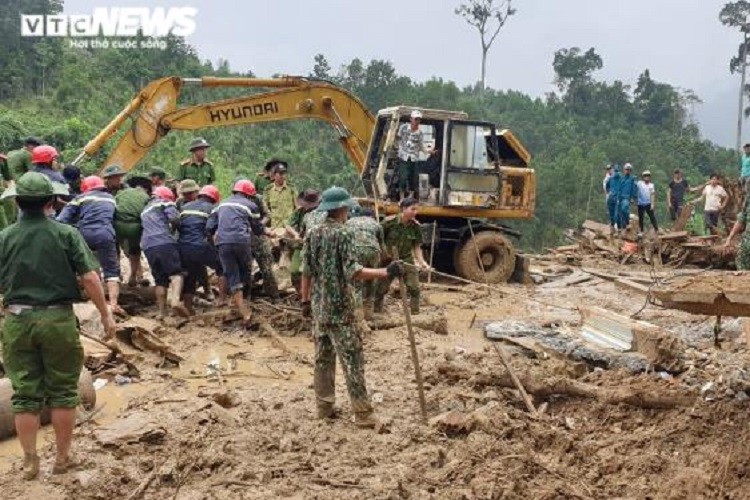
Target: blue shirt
x,y
52,174
94,214
613,183
627,190
193,219
157,220
745,172
234,221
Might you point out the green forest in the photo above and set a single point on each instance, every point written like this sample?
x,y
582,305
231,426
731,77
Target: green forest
x,y
66,95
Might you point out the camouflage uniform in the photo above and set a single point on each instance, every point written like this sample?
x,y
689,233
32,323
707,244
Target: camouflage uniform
x,y
368,240
404,237
263,255
329,260
743,254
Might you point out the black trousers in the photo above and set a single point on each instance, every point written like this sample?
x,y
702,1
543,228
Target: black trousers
x,y
646,209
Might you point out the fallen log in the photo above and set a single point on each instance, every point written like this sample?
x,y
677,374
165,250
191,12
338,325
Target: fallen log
x,y
143,334
544,387
437,323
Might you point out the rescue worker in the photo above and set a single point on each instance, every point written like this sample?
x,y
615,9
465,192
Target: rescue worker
x,y
233,224
264,178
44,158
42,354
279,197
19,160
403,232
93,213
627,192
72,176
329,297
307,202
196,252
129,203
261,251
743,253
612,187
188,191
158,177
7,206
198,167
368,246
159,219
113,176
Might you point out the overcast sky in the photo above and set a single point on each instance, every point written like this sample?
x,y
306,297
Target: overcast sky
x,y
680,41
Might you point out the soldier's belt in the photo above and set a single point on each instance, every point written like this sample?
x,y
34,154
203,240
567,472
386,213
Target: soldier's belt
x,y
17,309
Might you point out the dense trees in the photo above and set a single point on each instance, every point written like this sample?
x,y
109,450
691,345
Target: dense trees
x,y
572,133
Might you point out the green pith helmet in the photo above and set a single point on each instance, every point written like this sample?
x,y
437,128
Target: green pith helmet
x,y
35,185
157,172
334,198
355,210
189,186
112,171
199,142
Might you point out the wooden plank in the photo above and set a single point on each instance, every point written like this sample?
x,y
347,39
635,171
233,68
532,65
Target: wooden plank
x,y
597,227
685,214
566,248
674,235
633,286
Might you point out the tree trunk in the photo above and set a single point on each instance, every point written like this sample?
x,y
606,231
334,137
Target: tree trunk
x,y
483,80
740,109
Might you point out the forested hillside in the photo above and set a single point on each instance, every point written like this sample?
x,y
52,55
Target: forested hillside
x,y
66,95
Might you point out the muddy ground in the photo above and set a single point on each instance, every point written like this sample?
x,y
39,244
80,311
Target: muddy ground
x,y
176,432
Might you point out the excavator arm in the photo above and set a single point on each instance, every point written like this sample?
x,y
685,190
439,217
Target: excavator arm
x,y
155,112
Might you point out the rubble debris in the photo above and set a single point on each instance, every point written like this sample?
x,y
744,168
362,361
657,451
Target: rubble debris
x,y
430,321
713,294
143,334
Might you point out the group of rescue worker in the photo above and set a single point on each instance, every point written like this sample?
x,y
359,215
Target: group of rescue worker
x,y
70,229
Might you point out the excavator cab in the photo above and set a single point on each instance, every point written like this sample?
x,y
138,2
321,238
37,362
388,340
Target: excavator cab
x,y
475,168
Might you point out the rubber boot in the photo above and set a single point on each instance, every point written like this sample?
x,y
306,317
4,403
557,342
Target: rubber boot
x,y
239,301
326,410
161,301
113,290
414,305
175,295
30,467
187,300
366,420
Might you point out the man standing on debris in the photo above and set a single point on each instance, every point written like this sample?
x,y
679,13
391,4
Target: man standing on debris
x,y
39,263
611,188
608,171
716,200
743,253
678,186
129,203
233,224
402,231
280,197
93,213
307,202
159,219
196,252
626,193
329,296
368,246
264,178
646,201
198,167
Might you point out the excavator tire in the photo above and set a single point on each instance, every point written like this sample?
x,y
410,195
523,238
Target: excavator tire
x,y
497,253
7,425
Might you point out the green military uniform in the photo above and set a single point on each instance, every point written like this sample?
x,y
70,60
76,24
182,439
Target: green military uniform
x,y
130,202
263,255
743,254
404,237
19,162
368,240
39,262
280,203
7,207
261,182
203,173
330,262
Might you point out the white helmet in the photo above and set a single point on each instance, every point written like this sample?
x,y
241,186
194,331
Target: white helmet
x,y
416,114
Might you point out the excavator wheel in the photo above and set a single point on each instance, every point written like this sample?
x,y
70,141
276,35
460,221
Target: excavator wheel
x,y
497,254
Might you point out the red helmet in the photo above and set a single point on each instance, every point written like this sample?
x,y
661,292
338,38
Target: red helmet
x,y
44,154
211,192
245,187
164,193
91,182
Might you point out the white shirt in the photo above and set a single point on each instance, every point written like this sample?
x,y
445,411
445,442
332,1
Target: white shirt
x,y
714,196
644,192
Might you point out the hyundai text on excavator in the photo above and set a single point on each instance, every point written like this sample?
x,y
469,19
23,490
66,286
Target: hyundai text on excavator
x,y
479,176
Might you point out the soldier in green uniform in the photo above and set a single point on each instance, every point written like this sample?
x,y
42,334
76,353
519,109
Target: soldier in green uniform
x,y
129,203
368,245
263,178
7,207
743,253
113,176
157,176
402,231
328,271
17,163
42,354
307,202
280,197
198,167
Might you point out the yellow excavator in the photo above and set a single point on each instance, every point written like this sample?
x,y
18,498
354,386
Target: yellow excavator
x,y
478,177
